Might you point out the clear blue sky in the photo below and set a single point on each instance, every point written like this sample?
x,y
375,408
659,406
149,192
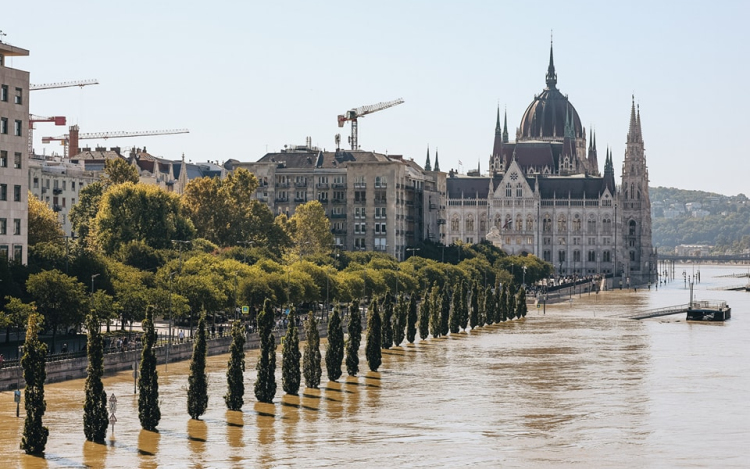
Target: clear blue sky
x,y
247,76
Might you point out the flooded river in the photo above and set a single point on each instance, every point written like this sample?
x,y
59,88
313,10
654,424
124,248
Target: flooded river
x,y
569,388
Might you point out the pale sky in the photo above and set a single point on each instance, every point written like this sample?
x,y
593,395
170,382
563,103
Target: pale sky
x,y
248,77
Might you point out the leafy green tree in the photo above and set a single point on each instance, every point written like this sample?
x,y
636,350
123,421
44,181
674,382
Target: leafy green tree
x,y
464,318
16,314
482,307
474,312
355,337
149,412
35,434
372,344
445,311
399,320
95,419
82,214
131,212
424,315
105,306
455,314
387,323
511,301
503,303
235,395
411,319
197,399
521,307
290,357
59,298
435,311
44,227
489,306
119,171
311,359
335,352
265,383
310,230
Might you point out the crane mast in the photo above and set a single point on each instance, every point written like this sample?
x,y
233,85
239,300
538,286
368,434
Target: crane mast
x,y
353,114
71,139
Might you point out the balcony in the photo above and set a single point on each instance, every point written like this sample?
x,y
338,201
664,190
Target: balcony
x,y
339,201
360,185
300,184
56,208
282,199
381,201
338,215
282,184
381,248
57,191
360,201
323,201
382,185
340,231
322,185
300,199
339,185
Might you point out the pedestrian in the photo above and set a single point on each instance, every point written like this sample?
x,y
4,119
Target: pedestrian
x,y
181,335
213,330
2,360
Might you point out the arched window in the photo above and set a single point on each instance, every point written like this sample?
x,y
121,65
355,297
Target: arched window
x,y
632,256
508,190
576,223
547,224
498,221
606,256
561,256
470,223
562,224
591,225
454,223
519,222
483,223
519,190
508,225
607,226
632,190
631,228
529,223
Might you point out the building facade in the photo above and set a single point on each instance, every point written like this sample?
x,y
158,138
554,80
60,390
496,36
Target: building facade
x,y
545,195
374,202
14,122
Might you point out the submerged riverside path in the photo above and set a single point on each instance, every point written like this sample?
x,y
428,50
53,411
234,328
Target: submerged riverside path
x,y
570,388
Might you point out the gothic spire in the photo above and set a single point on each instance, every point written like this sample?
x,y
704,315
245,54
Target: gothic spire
x,y
498,127
633,129
505,127
551,75
638,117
437,163
427,165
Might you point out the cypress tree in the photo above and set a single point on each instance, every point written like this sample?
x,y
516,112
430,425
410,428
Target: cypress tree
x,y
372,344
511,301
399,320
455,314
489,306
424,315
291,376
95,419
355,337
311,359
474,311
35,434
435,311
464,305
235,395
503,303
482,303
411,319
387,323
335,352
521,308
148,383
197,399
265,383
445,310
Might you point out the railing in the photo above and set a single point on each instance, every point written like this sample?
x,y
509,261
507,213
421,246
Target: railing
x,y
338,215
360,185
282,184
322,185
339,185
300,184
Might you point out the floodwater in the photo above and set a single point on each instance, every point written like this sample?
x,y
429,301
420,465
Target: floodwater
x,y
569,388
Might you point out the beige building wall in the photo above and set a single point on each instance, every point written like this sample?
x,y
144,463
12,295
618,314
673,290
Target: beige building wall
x,y
14,127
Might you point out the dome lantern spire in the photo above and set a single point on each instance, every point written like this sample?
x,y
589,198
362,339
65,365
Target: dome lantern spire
x,y
551,74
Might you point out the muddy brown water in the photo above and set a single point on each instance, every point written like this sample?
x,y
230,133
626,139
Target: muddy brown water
x,y
569,388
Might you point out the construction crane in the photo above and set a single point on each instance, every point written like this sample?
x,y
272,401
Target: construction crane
x,y
71,139
58,120
64,84
353,114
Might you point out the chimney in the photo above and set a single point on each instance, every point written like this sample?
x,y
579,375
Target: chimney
x,y
73,149
115,149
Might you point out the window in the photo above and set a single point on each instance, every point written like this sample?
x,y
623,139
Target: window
x,y
547,256
16,193
4,125
19,96
3,226
359,181
592,256
380,244
632,256
359,196
17,161
547,224
72,185
483,224
4,98
576,256
606,256
64,184
519,190
470,223
17,128
561,256
4,251
607,226
519,222
454,224
592,226
16,226
576,224
529,224
63,206
359,243
17,252
4,159
3,192
508,190
562,224
631,228
547,241
323,196
379,212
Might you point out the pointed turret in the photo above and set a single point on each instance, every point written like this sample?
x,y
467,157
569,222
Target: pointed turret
x,y
437,163
505,127
609,172
640,129
551,75
498,127
427,165
633,129
593,159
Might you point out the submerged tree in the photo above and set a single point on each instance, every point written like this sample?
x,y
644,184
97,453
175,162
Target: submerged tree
x,y
502,304
335,352
482,305
197,400
311,359
474,312
424,315
291,376
455,315
148,383
511,301
265,383
95,419
235,395
464,303
445,311
35,434
521,307
355,337
411,319
387,323
435,310
399,320
372,345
